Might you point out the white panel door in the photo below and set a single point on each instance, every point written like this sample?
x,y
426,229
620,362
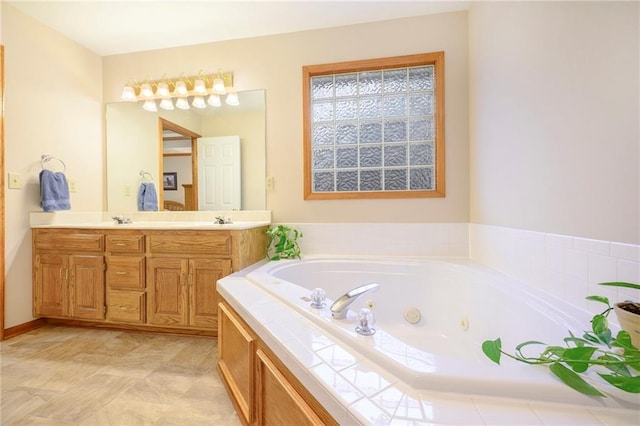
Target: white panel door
x,y
219,173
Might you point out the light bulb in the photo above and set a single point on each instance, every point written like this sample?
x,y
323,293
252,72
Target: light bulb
x,y
182,103
150,105
218,86
163,90
146,91
198,102
214,100
232,99
129,94
166,104
199,87
181,88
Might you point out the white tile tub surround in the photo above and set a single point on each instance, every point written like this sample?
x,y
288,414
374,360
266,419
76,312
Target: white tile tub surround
x,y
384,239
566,267
355,391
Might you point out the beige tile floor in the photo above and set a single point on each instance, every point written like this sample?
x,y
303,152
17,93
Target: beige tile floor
x,y
75,376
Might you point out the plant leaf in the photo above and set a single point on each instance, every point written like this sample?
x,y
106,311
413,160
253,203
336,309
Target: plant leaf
x,y
591,338
615,366
599,324
600,299
621,284
577,341
578,358
627,384
573,380
557,351
623,340
493,349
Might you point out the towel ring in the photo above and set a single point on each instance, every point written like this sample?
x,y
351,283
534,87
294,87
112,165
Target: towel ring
x,y
144,175
45,158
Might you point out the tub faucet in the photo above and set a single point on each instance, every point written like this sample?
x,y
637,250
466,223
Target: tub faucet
x,y
341,305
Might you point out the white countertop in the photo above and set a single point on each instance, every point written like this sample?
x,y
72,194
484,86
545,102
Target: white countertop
x,y
152,220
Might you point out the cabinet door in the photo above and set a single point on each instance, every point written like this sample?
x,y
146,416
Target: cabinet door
x,y
87,287
50,290
236,353
278,402
203,299
167,291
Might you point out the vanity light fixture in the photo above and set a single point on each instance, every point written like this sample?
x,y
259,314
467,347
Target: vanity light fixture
x,y
232,99
167,104
198,88
163,89
198,102
214,100
182,103
150,105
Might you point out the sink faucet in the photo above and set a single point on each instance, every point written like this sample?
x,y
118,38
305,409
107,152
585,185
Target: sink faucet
x,y
221,220
341,305
121,219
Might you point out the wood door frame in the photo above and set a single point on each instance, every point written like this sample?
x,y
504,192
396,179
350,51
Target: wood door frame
x,y
2,200
168,125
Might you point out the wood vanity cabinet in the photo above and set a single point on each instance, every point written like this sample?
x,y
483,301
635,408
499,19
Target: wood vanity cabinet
x,y
138,279
261,387
68,275
183,291
184,268
126,277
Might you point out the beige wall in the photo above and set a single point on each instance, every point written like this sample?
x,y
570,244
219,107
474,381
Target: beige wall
x,y
554,117
53,105
275,64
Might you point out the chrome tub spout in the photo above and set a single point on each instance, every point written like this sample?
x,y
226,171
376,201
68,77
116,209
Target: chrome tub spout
x,y
341,305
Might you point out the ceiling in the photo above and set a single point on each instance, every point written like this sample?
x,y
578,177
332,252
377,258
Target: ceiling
x,y
118,27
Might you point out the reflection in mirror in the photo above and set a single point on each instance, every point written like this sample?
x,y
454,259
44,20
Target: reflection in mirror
x,y
135,138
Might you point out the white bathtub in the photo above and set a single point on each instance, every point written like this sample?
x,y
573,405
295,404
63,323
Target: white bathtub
x,y
461,305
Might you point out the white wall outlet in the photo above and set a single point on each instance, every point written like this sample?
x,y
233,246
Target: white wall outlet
x,y
269,183
73,185
15,181
127,190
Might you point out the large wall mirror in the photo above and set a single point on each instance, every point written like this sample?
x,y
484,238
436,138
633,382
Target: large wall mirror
x,y
147,146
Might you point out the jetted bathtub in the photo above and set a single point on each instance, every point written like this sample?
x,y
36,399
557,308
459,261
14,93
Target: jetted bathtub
x,y
431,319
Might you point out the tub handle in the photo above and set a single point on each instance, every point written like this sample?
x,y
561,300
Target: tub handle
x,y
318,297
366,322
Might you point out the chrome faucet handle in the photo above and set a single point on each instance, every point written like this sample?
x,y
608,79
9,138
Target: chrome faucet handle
x,y
366,321
318,296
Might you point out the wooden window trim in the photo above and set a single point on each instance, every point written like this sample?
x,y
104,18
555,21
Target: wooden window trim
x,y
437,60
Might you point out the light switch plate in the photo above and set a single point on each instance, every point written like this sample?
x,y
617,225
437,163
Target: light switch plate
x,y
73,185
15,181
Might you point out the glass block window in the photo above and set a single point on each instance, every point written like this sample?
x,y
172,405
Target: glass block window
x,y
375,128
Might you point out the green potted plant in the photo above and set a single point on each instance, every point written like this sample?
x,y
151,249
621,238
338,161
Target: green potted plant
x,y
616,359
628,312
283,243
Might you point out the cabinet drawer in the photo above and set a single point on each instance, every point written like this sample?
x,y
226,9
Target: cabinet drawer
x,y
126,306
126,272
190,243
69,242
125,243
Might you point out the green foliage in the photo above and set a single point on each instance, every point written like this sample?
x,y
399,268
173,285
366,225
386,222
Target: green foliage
x,y
616,359
283,243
